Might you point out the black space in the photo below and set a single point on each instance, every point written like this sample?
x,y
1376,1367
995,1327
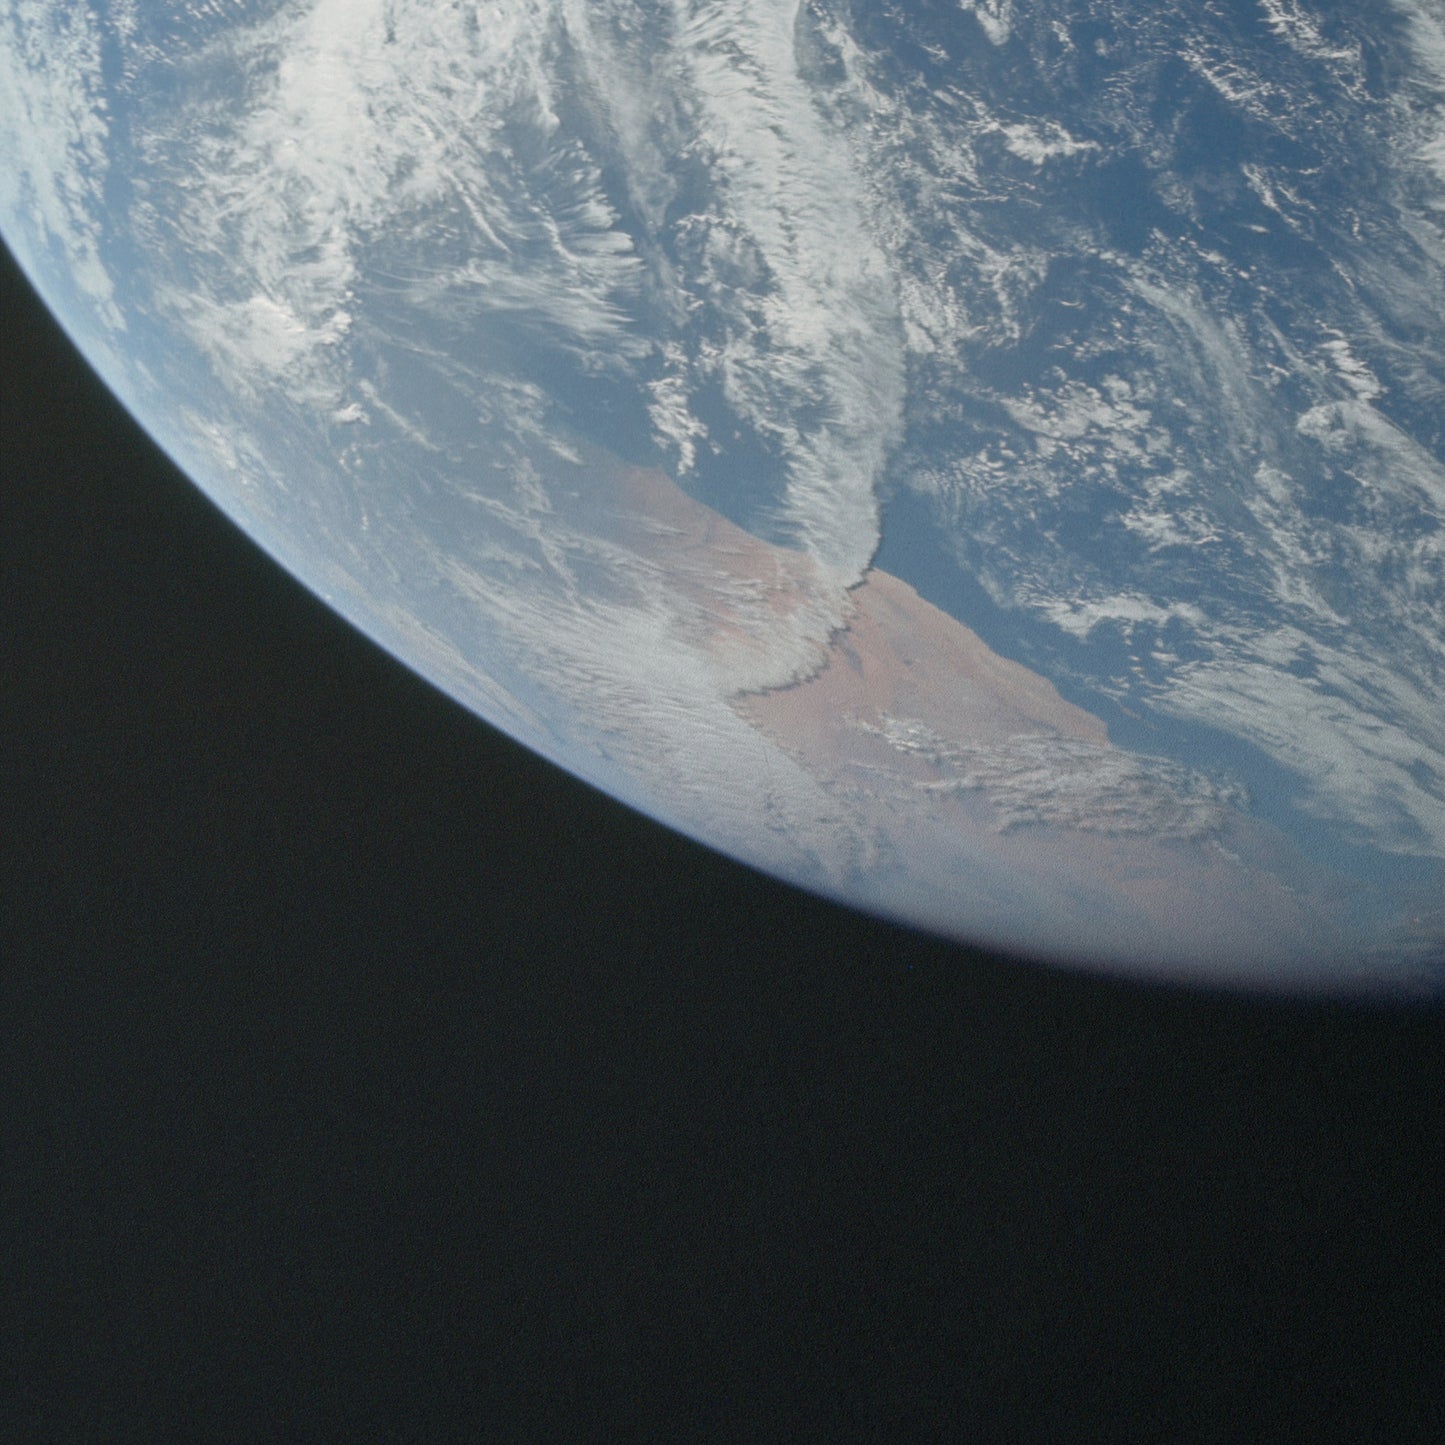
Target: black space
x,y
364,1078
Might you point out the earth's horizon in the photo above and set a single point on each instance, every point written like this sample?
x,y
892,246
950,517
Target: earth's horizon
x,y
983,464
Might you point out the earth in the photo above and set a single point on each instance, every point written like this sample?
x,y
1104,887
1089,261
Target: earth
x,y
982,462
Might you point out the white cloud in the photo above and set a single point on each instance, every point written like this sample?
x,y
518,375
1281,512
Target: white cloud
x,y
361,126
1302,32
366,124
995,17
1043,141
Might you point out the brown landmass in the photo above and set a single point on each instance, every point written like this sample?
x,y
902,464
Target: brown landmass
x,y
901,657
961,756
998,810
